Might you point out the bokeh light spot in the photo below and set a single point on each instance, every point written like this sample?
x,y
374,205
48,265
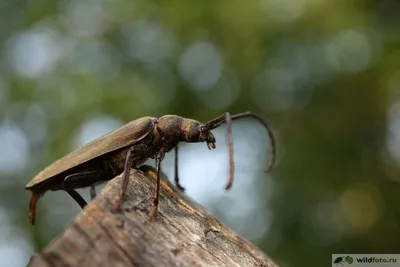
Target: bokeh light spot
x,y
349,51
320,224
393,133
15,249
223,94
284,11
148,42
95,57
14,149
33,53
94,128
361,208
201,65
84,18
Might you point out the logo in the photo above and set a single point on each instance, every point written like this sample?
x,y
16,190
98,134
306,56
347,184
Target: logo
x,y
341,260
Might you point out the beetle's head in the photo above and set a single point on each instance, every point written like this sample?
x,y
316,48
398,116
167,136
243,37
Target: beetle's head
x,y
174,129
194,131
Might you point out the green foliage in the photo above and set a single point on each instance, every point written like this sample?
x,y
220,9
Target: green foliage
x,y
323,73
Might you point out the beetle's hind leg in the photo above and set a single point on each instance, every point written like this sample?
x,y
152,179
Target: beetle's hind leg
x,y
77,197
84,179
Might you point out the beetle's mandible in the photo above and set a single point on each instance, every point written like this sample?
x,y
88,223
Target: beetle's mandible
x,y
128,147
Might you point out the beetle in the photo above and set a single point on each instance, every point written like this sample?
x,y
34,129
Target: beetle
x,y
128,147
339,260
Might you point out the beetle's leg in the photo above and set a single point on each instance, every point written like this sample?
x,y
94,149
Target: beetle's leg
x,y
77,197
125,175
181,188
124,179
153,212
85,179
92,192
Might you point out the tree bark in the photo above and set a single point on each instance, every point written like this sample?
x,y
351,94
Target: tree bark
x,y
183,234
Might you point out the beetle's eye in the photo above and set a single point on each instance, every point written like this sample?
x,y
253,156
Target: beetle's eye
x,y
202,129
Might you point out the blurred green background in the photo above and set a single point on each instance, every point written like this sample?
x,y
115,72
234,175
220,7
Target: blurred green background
x,y
324,74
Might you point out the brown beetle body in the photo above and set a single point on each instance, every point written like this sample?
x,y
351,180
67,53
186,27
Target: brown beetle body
x,y
127,147
106,144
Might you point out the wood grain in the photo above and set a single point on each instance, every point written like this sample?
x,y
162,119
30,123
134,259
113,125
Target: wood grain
x,y
184,233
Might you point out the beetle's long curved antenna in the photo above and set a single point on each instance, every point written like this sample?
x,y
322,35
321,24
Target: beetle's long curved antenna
x,y
153,212
215,123
210,125
230,150
176,175
269,132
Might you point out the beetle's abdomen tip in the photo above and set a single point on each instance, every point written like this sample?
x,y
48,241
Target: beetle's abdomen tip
x,y
32,206
31,220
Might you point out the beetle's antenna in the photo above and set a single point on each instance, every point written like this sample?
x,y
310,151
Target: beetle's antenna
x,y
270,135
210,125
230,149
215,123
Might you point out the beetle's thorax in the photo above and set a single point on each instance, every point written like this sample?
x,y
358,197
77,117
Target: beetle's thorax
x,y
167,132
116,160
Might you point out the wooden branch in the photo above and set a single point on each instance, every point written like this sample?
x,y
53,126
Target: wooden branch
x,y
184,234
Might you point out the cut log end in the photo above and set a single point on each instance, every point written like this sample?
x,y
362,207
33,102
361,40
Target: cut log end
x,y
183,234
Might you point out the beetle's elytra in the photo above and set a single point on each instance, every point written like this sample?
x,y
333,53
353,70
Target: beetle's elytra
x,y
130,146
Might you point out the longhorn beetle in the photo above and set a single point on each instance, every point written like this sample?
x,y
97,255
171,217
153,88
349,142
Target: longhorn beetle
x,y
130,146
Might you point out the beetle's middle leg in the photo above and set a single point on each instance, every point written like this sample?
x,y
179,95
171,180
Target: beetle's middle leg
x,y
92,192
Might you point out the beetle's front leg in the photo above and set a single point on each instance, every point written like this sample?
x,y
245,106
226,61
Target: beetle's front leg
x,y
133,151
